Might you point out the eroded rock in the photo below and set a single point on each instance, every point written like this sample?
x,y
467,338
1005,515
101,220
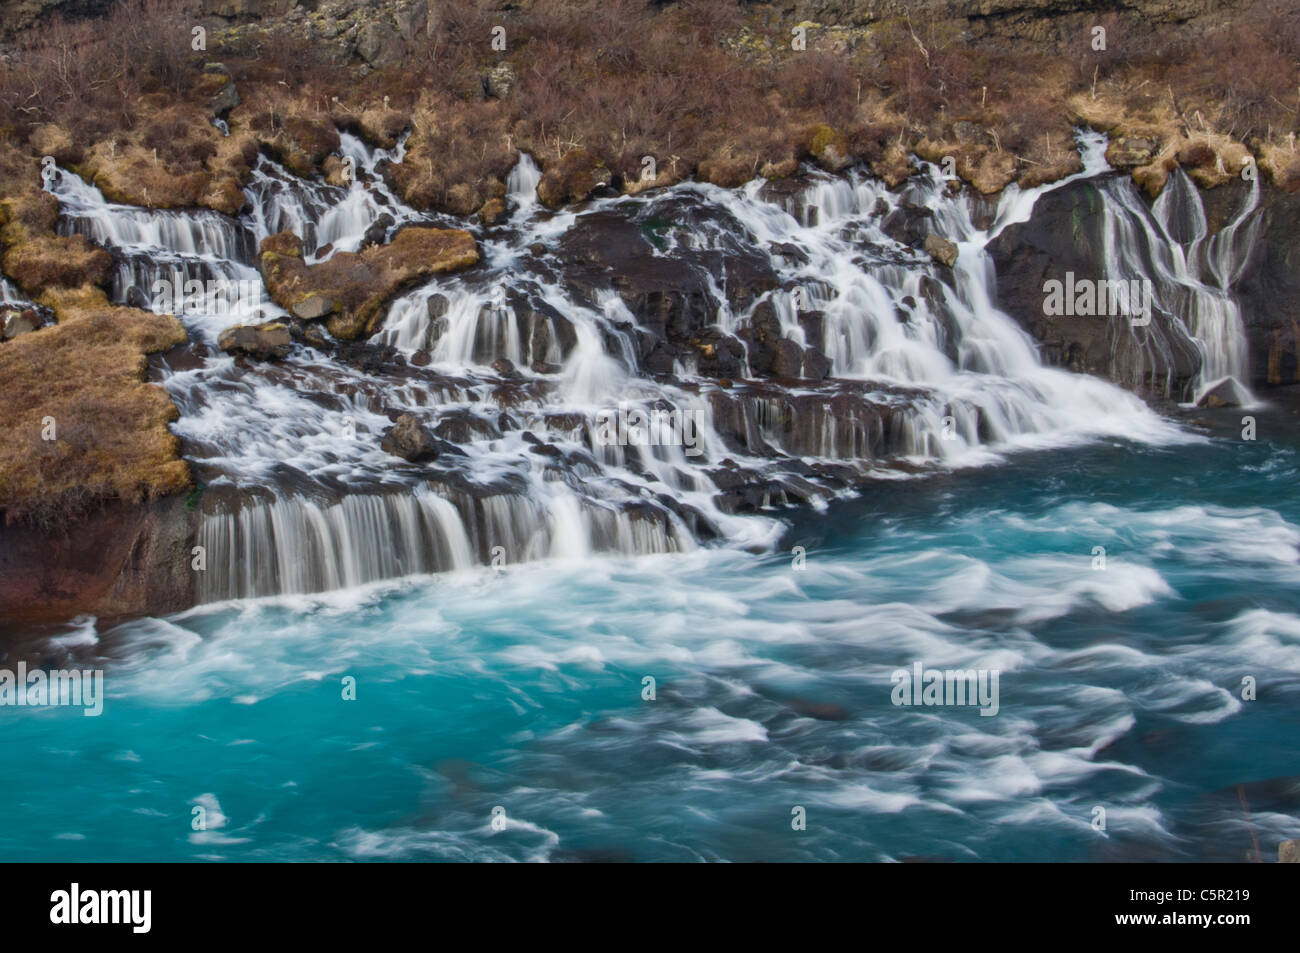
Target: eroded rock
x,y
262,342
941,250
356,285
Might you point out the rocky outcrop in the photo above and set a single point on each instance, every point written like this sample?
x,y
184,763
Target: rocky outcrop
x,y
409,439
1062,241
1063,236
262,342
1269,286
121,559
572,178
350,288
1043,21
81,425
670,295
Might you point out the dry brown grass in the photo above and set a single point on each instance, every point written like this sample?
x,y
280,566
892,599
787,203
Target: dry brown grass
x,y
30,253
111,438
356,284
623,79
56,261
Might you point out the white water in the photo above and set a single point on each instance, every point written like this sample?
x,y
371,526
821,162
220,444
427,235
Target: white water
x,y
1191,271
299,496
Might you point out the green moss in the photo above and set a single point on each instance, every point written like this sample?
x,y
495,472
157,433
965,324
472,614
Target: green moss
x,y
820,136
654,229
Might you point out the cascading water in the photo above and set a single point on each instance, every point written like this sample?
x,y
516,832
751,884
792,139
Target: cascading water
x,y
516,362
1190,271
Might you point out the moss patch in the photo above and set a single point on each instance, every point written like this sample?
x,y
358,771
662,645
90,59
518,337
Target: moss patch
x,y
353,286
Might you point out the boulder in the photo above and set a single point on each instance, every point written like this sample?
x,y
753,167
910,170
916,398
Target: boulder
x,y
411,440
499,81
1226,393
380,45
224,99
505,367
718,354
262,342
828,147
1288,852
1129,152
15,321
966,132
907,224
816,365
313,307
941,250
377,231
762,335
788,359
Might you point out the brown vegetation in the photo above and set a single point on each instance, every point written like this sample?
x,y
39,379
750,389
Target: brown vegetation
x,y
349,288
82,382
704,87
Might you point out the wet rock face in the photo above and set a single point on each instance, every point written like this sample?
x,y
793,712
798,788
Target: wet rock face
x,y
122,560
1269,285
669,288
1064,237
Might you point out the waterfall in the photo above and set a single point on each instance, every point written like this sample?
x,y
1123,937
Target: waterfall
x,y
521,184
1190,272
9,294
329,218
920,366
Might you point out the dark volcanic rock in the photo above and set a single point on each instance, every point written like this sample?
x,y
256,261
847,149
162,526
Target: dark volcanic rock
x,y
378,231
1224,394
411,440
123,559
670,294
1064,236
908,224
1269,284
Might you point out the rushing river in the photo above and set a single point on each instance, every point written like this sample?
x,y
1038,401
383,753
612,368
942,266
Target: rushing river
x,y
1119,688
